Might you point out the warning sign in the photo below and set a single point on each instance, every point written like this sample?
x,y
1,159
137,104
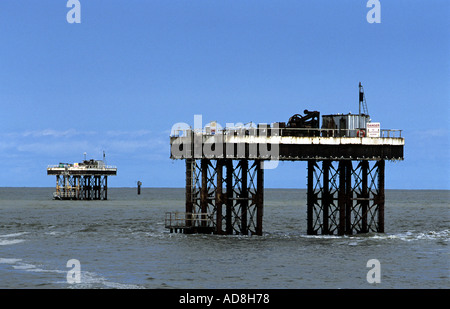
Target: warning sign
x,y
373,129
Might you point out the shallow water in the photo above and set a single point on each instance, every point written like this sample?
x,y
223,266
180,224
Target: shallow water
x,y
122,243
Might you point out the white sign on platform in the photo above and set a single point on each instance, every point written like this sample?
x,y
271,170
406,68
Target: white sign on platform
x,y
373,129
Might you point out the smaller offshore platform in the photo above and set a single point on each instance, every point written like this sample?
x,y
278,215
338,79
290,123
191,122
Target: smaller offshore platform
x,y
345,172
87,180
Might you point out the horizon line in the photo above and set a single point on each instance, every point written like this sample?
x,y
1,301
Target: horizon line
x,y
271,188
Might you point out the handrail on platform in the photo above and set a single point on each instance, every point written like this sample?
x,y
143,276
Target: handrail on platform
x,y
185,219
274,131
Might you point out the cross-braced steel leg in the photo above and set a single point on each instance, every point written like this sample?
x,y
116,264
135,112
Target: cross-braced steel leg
x,y
231,195
367,212
343,199
82,187
324,209
244,197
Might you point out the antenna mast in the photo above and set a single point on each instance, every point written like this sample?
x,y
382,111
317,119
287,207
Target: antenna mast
x,y
362,104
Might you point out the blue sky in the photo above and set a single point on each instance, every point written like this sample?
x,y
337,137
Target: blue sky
x,y
120,79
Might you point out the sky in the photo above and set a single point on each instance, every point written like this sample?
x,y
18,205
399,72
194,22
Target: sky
x,y
122,77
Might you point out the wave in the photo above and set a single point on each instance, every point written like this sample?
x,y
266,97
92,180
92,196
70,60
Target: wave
x,y
13,235
7,242
9,261
88,279
414,235
411,235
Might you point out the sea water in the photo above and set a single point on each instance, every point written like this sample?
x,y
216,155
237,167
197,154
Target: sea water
x,y
122,243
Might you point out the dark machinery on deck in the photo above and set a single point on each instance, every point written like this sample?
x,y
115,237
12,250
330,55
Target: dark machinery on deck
x,y
309,120
297,124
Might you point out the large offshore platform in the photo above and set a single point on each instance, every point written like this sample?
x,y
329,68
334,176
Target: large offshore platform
x,y
87,180
345,172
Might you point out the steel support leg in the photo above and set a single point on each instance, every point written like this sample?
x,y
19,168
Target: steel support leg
x,y
204,191
230,195
381,197
342,201
364,196
348,197
325,196
259,197
189,190
219,196
243,196
105,188
311,198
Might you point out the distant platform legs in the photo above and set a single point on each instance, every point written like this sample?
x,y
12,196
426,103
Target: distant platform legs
x,y
81,187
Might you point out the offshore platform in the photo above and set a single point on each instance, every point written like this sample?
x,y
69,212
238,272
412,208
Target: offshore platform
x,y
345,172
87,180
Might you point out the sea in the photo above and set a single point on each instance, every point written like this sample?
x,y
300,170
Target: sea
x,y
122,243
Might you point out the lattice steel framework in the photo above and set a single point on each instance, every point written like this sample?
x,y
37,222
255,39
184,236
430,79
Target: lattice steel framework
x,y
81,187
230,192
345,198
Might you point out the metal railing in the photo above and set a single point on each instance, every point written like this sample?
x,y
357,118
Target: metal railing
x,y
300,132
104,167
391,133
65,194
186,220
